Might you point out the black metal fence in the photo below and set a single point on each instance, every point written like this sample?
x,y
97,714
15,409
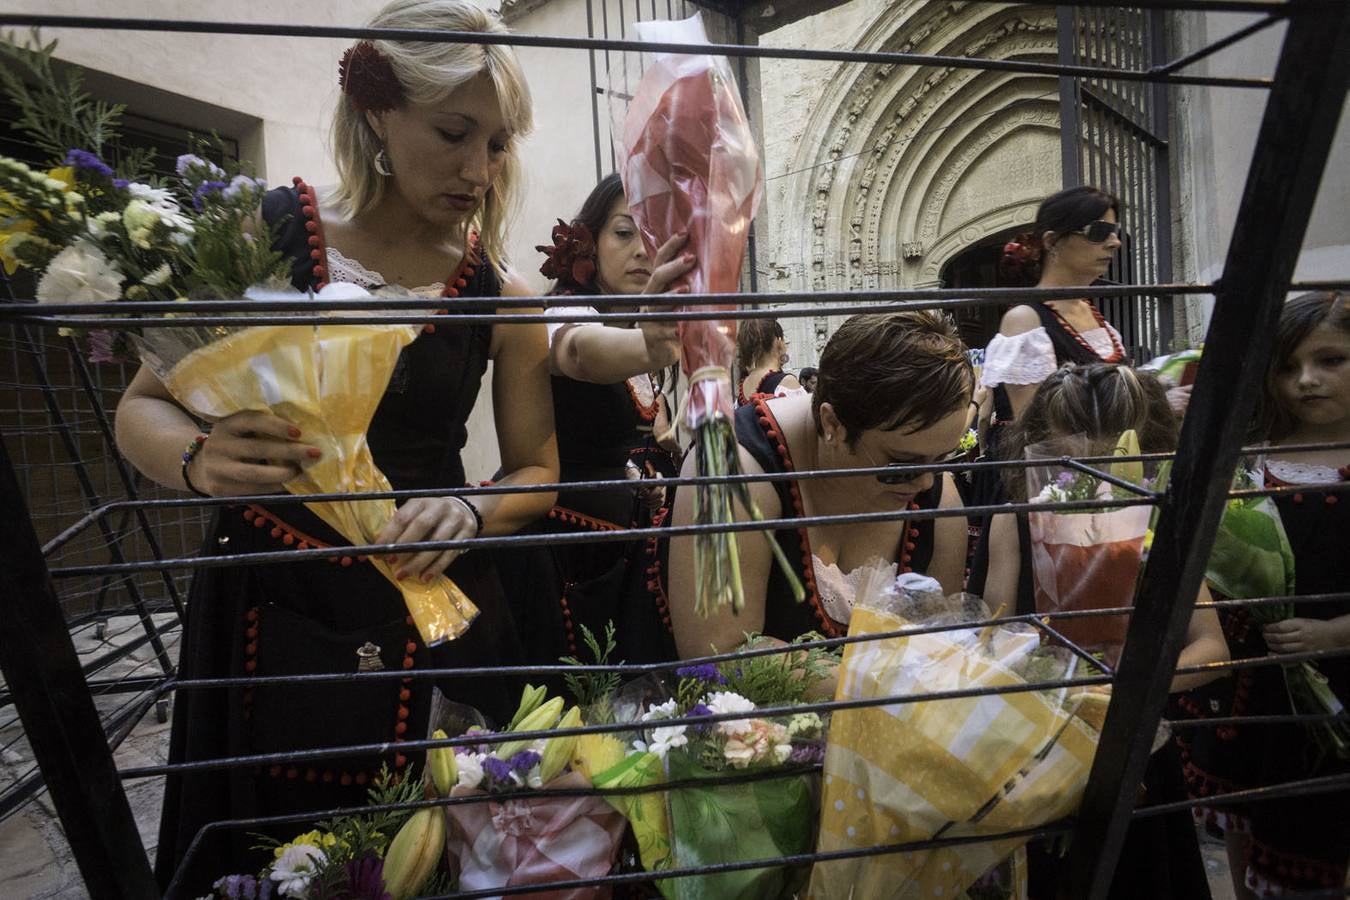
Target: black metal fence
x,y
53,691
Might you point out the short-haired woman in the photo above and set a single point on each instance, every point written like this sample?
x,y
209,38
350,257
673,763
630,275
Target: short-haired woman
x,y
761,353
891,389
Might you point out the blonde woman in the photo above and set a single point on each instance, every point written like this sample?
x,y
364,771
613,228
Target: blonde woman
x,y
424,139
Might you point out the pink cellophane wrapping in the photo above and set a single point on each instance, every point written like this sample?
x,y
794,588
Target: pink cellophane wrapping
x,y
689,163
522,840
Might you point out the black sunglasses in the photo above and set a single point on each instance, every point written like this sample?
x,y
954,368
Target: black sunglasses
x,y
904,479
1098,231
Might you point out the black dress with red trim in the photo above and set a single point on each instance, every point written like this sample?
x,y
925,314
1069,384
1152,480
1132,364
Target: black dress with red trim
x,y
556,590
1296,845
319,616
1161,857
784,618
767,385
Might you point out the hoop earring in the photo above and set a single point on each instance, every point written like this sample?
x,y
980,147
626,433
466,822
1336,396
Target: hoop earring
x,y
381,163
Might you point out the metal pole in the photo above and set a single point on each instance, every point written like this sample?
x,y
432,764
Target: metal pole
x,y
1070,124
40,666
1291,154
1160,125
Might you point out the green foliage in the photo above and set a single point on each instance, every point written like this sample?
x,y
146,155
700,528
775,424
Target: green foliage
x,y
781,679
589,688
54,109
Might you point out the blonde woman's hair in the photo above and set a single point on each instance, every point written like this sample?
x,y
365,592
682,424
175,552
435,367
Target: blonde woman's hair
x,y
429,72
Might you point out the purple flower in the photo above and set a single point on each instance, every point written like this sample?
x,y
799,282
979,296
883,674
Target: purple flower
x,y
103,346
705,672
365,879
497,769
205,189
121,183
524,761
1064,479
83,159
699,709
242,887
189,161
803,754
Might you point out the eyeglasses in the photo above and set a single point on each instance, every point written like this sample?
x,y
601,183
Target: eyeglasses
x,y
1099,231
913,476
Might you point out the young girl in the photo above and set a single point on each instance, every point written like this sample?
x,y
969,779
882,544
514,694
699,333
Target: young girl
x,y
1292,844
761,354
1161,857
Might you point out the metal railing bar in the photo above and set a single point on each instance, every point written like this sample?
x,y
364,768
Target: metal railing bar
x,y
557,42
1241,34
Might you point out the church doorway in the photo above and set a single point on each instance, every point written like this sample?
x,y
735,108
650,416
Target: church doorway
x,y
977,266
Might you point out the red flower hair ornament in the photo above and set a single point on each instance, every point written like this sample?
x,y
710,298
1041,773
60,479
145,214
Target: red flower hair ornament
x,y
367,77
571,256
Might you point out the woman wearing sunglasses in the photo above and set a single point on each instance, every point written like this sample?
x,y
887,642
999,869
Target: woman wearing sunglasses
x,y
891,389
1072,243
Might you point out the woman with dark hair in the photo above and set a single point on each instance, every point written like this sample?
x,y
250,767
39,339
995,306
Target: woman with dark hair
x,y
761,353
610,417
892,388
1288,845
1071,244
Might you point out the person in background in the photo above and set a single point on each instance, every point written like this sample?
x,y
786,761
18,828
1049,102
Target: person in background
x,y
761,354
611,421
807,377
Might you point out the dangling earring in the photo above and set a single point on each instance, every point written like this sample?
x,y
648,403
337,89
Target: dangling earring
x,y
381,163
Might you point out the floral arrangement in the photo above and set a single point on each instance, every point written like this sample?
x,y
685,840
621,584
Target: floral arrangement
x,y
362,856
504,835
961,767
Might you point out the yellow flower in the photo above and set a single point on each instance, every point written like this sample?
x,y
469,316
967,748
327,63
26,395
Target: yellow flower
x,y
13,231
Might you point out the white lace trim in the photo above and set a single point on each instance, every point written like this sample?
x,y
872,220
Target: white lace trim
x,y
351,271
1302,473
838,590
1029,357
1026,358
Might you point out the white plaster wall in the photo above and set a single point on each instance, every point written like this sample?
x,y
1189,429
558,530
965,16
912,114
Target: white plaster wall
x,y
1217,130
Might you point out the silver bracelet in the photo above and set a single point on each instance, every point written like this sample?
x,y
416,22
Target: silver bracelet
x,y
477,516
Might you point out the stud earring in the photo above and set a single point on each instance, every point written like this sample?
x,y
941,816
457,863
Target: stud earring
x,y
381,163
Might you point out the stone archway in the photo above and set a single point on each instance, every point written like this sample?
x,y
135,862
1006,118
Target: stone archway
x,y
896,170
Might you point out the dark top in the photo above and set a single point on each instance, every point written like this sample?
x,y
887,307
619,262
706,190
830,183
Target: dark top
x,y
758,432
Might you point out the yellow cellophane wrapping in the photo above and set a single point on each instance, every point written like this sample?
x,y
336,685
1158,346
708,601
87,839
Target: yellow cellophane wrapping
x,y
900,773
327,379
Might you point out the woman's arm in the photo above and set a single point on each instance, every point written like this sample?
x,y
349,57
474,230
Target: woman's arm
x,y
1205,643
522,403
696,635
1005,564
950,541
246,453
1019,320
602,354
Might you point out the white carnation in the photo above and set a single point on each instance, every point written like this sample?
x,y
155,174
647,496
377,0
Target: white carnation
x,y
470,766
719,702
80,274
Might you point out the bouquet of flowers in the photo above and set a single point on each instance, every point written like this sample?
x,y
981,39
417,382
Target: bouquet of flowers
x,y
515,838
94,236
945,768
689,164
363,856
1252,558
715,823
1085,559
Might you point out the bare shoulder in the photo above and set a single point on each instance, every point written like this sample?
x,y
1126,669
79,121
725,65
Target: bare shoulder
x,y
514,285
1019,320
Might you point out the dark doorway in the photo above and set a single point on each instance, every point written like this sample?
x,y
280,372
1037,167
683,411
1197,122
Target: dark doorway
x,y
977,266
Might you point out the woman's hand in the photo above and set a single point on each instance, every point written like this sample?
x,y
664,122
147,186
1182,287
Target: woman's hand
x,y
1179,398
662,338
250,453
1303,635
427,519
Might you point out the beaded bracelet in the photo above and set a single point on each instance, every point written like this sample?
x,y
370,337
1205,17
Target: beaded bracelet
x,y
189,454
477,516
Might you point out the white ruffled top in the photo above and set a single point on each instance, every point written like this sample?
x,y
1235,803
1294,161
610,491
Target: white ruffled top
x,y
1029,357
1302,473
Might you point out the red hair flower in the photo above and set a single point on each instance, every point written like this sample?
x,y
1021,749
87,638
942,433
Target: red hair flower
x,y
571,257
367,77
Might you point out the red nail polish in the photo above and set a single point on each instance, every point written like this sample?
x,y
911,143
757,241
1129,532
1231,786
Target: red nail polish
x,y
293,431
426,576
314,453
